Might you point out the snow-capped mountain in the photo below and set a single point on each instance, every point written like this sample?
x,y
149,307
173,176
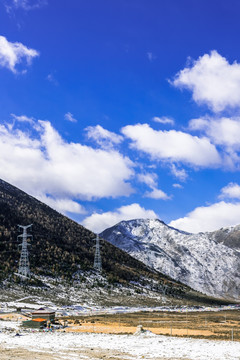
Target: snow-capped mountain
x,y
207,262
62,261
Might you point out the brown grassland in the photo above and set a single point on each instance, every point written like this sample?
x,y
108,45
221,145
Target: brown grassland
x,y
222,325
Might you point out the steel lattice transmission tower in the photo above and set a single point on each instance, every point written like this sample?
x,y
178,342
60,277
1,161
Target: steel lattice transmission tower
x,y
97,258
24,267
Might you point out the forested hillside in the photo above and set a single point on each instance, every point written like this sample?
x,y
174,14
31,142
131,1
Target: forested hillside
x,y
59,246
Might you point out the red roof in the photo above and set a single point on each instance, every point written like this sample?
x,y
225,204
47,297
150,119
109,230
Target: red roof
x,y
39,320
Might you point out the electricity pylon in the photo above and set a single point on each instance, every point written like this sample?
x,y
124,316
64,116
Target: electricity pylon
x,y
97,258
24,267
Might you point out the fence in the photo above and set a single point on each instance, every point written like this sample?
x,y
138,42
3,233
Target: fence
x,y
204,325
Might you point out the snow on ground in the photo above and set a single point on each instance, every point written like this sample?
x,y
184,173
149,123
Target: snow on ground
x,y
131,346
86,309
9,324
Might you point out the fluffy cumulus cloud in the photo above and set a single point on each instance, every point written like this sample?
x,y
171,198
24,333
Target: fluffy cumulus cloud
x,y
157,194
13,54
173,146
163,120
222,131
103,137
209,218
150,179
44,164
215,216
62,205
213,81
231,191
99,222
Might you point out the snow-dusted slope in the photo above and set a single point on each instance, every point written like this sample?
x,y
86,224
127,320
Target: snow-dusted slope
x,y
205,261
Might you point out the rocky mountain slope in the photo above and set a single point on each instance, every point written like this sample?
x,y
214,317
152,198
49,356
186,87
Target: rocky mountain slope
x,y
207,262
61,258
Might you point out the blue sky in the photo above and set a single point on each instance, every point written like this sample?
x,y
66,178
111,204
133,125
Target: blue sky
x,y
113,110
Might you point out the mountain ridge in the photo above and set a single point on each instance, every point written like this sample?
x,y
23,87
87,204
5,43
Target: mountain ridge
x,y
62,252
202,261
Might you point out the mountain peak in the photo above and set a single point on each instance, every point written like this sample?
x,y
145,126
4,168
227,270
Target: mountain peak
x,y
207,262
150,223
62,250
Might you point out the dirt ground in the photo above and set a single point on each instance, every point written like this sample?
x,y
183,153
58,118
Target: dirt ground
x,y
13,317
23,354
94,354
223,325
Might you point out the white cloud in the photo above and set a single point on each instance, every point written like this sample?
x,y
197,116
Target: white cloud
x,y
63,205
69,117
231,191
173,146
150,179
46,164
103,137
213,81
177,186
157,194
23,118
209,218
99,222
24,4
224,131
163,120
180,174
12,54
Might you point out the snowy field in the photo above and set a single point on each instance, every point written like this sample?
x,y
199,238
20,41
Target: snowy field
x,y
69,346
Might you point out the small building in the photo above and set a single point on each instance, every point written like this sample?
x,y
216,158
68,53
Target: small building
x,y
38,323
47,314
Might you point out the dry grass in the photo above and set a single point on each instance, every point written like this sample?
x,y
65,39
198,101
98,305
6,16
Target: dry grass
x,y
13,317
209,325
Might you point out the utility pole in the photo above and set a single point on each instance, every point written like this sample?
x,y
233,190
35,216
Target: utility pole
x,y
24,267
97,258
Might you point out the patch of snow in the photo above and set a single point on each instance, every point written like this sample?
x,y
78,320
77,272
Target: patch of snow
x,y
150,347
